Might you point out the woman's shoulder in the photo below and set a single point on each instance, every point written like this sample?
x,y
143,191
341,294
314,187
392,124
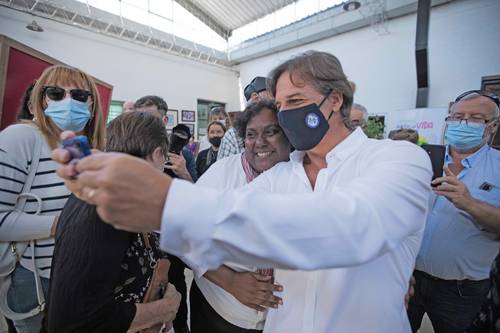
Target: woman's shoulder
x,y
20,131
19,140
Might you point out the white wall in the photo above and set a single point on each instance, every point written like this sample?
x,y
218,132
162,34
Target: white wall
x,y
464,44
133,70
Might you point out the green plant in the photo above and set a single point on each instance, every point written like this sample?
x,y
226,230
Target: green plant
x,y
374,128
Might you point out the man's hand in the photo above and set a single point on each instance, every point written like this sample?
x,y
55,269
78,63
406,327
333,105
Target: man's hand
x,y
177,163
128,192
255,290
454,190
410,292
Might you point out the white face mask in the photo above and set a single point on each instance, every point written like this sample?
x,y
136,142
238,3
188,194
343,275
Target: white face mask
x,y
221,121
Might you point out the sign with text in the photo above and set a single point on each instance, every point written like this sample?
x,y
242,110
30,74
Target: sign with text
x,y
428,122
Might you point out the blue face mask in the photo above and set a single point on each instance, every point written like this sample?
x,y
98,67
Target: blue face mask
x,y
68,114
464,136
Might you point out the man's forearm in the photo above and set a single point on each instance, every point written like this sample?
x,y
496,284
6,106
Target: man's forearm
x,y
485,214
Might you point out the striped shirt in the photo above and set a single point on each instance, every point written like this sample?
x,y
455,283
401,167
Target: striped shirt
x,y
231,144
17,144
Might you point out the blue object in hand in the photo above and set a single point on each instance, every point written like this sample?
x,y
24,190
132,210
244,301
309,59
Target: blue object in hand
x,y
78,147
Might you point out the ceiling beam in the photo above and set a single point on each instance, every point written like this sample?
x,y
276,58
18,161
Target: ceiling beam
x,y
210,21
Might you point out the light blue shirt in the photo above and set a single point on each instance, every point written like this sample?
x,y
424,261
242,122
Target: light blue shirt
x,y
455,246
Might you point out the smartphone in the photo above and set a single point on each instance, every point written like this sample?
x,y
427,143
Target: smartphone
x,y
436,154
78,147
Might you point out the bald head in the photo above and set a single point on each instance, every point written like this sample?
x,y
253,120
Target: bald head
x,y
128,106
475,106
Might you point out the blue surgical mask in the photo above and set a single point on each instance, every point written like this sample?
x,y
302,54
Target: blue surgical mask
x,y
68,114
464,136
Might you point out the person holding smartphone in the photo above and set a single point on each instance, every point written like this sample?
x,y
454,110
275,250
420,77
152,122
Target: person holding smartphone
x,y
462,232
340,223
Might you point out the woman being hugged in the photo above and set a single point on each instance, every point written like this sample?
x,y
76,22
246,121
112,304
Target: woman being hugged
x,y
63,98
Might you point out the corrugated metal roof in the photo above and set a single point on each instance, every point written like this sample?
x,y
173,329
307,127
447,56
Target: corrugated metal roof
x,y
226,15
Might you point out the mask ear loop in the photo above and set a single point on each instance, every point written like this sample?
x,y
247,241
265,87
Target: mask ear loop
x,y
493,134
324,99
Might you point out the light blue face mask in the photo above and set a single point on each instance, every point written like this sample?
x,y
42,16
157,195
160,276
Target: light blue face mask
x,y
464,136
68,114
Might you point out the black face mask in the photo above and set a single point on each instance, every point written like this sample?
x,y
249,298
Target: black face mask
x,y
304,126
215,141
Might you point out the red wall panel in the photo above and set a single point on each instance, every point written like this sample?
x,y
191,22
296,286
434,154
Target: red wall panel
x,y
24,68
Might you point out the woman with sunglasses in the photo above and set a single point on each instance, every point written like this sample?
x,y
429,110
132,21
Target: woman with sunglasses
x,y
63,98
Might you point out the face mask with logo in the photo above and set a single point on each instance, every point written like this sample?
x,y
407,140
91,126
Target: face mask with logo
x,y
215,141
68,114
305,126
464,136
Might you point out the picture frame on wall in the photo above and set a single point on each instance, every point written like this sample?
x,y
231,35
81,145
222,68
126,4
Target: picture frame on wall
x,y
188,116
172,119
191,128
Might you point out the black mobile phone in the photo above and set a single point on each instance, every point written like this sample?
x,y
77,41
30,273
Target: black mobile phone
x,y
436,154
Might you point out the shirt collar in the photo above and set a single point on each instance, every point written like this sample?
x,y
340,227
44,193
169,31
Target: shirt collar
x,y
469,161
344,149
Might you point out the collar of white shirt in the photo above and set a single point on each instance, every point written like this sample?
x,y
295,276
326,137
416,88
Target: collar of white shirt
x,y
340,152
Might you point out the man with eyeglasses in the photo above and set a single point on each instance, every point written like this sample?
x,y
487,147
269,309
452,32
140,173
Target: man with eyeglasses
x,y
461,237
359,116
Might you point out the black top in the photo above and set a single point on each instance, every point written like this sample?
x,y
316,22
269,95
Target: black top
x,y
98,273
205,159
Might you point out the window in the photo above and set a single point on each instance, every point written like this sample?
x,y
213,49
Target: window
x,y
204,108
115,109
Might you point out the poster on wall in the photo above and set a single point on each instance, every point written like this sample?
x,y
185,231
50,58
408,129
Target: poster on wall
x,y
428,122
188,116
172,119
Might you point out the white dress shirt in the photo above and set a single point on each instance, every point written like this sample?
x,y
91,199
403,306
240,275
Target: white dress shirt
x,y
224,175
360,228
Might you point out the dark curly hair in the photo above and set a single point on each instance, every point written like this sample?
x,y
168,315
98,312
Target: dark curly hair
x,y
251,111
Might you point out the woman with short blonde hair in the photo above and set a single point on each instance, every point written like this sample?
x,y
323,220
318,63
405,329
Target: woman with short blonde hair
x,y
63,98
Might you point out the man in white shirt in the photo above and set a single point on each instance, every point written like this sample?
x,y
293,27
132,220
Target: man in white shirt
x,y
350,208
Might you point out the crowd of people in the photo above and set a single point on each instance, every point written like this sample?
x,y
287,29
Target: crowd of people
x,y
291,218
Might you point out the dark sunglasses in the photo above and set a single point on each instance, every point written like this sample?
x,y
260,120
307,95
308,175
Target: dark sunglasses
x,y
57,93
486,94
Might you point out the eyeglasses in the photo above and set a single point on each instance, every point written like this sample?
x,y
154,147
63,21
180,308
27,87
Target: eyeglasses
x,y
486,94
57,93
471,121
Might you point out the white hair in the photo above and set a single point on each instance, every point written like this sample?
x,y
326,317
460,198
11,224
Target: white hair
x,y
362,109
472,96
